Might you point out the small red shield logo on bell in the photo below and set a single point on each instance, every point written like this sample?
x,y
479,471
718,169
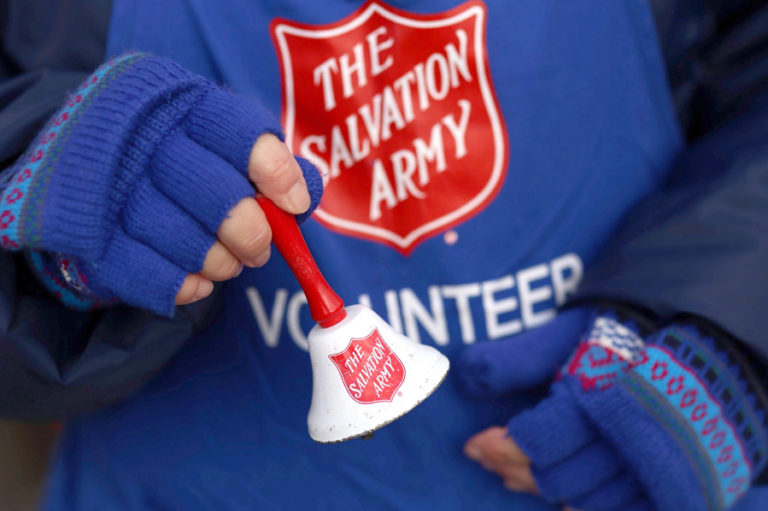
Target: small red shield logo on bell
x,y
370,370
397,110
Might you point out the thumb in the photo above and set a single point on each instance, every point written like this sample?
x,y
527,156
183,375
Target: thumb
x,y
529,359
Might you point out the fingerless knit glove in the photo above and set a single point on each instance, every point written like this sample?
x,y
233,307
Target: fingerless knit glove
x,y
672,422
120,196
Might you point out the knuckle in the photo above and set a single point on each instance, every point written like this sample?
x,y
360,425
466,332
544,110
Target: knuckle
x,y
278,171
220,264
257,241
233,270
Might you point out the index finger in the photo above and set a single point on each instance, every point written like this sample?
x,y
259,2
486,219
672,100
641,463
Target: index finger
x,y
494,444
277,175
497,452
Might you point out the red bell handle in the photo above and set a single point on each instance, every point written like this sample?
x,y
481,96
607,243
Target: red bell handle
x,y
325,306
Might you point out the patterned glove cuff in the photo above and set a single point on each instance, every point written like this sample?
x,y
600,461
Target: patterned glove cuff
x,y
611,346
63,277
67,190
702,372
28,181
685,419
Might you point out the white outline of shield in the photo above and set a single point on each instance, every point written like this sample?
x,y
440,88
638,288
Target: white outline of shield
x,y
404,243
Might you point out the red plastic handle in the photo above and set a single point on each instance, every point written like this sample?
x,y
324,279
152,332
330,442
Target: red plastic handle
x,y
325,306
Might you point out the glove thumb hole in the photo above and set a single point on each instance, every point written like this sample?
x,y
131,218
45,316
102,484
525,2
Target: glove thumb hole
x,y
494,368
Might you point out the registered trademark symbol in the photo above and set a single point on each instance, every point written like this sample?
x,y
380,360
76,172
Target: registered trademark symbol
x,y
451,237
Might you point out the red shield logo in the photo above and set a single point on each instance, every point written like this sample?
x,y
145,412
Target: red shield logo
x,y
370,370
398,112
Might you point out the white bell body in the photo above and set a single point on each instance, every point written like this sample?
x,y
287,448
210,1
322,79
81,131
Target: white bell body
x,y
366,375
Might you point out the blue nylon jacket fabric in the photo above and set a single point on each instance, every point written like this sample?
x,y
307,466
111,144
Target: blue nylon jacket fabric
x,y
243,402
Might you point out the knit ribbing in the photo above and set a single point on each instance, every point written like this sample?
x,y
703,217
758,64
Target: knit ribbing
x,y
108,149
228,125
202,184
660,463
22,198
548,446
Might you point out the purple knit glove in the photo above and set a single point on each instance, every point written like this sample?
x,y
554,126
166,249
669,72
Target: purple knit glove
x,y
120,196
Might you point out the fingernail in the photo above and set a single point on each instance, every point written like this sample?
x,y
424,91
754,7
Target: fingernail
x,y
298,197
239,271
204,289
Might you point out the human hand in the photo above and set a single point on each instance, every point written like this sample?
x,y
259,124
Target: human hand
x,y
564,460
141,188
672,422
498,368
243,239
497,452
